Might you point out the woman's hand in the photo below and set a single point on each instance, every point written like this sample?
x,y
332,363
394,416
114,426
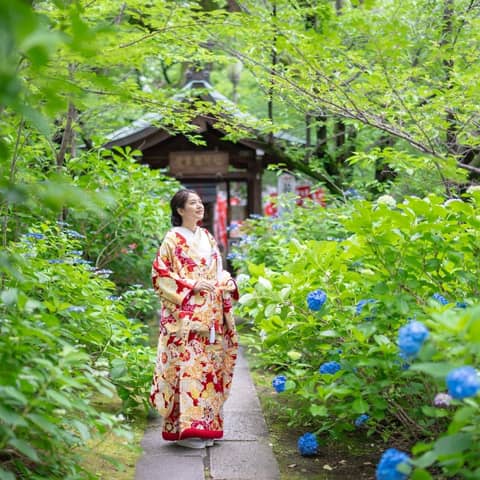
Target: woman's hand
x,y
203,285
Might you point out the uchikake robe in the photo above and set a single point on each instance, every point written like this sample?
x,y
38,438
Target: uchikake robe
x,y
197,346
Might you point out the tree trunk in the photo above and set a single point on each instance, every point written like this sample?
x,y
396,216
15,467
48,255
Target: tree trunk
x,y
272,75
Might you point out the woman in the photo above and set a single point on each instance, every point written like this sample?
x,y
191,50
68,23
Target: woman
x,y
197,347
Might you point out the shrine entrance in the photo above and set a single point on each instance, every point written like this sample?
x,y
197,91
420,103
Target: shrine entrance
x,y
225,208
226,174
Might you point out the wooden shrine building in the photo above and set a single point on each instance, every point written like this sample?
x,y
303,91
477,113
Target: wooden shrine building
x,y
234,168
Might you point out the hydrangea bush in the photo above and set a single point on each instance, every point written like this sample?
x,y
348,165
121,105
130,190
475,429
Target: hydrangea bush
x,y
401,317
126,234
65,342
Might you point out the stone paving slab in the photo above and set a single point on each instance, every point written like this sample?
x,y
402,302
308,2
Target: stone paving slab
x,y
243,454
172,467
243,398
240,426
243,461
153,443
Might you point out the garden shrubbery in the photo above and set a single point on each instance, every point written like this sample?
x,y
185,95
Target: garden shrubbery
x,y
69,335
375,323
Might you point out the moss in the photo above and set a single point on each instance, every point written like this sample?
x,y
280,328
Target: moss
x,y
114,457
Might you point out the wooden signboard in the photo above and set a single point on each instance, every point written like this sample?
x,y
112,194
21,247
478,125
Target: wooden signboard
x,y
198,163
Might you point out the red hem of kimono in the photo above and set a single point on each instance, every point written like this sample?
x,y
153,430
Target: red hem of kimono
x,y
193,432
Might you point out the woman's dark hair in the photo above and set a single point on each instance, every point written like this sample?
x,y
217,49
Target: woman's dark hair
x,y
178,201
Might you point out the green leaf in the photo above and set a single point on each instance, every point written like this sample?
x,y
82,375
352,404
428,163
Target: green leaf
x,y
289,385
328,333
59,398
118,370
421,474
9,296
462,417
435,369
4,475
427,459
318,410
265,283
11,392
24,448
360,406
11,418
453,444
294,355
270,309
43,422
246,299
71,356
82,429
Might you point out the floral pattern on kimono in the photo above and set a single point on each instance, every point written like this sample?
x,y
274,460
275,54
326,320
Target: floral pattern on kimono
x,y
193,375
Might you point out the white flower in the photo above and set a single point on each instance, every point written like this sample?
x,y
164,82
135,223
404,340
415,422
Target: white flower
x,y
387,200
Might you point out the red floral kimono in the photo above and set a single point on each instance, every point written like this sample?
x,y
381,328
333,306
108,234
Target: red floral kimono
x,y
197,347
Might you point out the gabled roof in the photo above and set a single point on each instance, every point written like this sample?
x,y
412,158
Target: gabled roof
x,y
145,126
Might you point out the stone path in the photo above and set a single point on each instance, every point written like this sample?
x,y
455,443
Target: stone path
x,y
243,453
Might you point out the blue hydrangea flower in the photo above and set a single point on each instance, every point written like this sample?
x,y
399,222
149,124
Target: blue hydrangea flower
x,y
360,420
316,299
353,193
461,304
255,216
56,260
113,298
77,253
411,338
232,226
278,383
330,368
81,261
36,236
248,240
276,226
463,382
74,234
104,272
232,256
389,462
307,444
362,303
440,299
76,309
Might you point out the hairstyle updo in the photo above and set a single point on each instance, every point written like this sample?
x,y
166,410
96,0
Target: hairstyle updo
x,y
178,201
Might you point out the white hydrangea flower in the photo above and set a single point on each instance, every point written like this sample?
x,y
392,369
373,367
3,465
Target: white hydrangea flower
x,y
387,200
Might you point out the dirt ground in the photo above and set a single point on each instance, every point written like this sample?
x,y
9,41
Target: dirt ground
x,y
355,457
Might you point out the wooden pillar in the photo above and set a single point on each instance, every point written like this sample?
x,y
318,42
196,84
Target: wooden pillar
x,y
255,186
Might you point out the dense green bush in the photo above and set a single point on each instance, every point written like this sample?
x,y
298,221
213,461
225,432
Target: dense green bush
x,y
385,265
127,232
68,332
64,341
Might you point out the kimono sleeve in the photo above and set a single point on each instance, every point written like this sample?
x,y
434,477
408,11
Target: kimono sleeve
x,y
228,284
166,282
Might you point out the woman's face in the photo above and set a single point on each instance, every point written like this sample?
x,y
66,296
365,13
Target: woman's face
x,y
193,210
